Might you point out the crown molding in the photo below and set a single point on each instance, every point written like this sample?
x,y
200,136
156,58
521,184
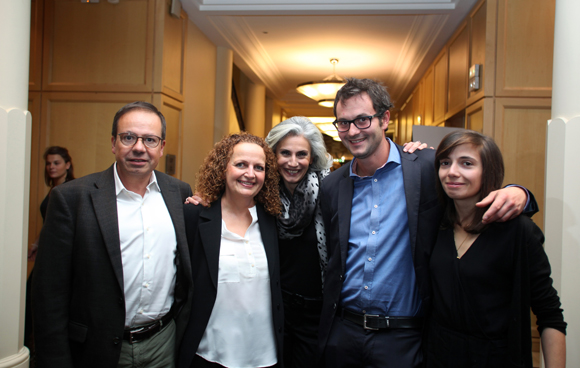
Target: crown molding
x,y
423,33
246,46
318,7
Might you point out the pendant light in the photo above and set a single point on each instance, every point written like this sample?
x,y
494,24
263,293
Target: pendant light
x,y
325,90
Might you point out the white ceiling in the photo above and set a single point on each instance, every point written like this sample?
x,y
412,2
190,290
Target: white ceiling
x,y
282,43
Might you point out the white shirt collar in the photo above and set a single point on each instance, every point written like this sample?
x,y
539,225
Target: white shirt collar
x,y
119,187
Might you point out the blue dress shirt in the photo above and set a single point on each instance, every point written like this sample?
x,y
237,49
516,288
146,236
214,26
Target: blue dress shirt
x,y
380,276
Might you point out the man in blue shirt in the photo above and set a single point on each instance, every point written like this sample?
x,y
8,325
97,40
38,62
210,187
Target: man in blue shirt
x,y
381,215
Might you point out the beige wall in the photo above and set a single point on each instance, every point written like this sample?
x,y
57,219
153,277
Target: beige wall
x,y
199,101
154,57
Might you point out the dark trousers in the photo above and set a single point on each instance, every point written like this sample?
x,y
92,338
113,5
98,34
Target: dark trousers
x,y
351,346
301,320
453,349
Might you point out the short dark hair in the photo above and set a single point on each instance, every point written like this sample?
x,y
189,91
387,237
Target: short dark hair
x,y
62,152
374,88
138,105
491,176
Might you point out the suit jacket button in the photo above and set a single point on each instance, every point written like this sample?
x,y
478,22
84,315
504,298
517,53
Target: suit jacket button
x,y
334,306
340,277
116,340
121,301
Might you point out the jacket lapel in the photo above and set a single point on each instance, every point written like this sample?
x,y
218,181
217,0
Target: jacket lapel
x,y
210,231
345,191
105,205
412,183
172,198
267,226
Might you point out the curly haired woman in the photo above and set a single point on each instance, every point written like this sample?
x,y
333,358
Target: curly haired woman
x,y
236,317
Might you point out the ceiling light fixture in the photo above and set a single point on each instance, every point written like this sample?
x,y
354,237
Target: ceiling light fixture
x,y
324,124
325,90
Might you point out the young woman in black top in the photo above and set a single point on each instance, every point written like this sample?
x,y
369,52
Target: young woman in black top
x,y
485,278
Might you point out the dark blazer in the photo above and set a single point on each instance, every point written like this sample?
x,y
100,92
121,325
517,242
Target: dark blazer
x,y
423,210
203,229
79,306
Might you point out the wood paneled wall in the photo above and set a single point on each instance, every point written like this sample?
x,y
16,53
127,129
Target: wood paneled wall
x,y
525,44
512,40
86,62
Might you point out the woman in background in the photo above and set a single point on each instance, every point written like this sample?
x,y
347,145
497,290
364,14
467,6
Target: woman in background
x,y
485,278
58,169
236,317
302,162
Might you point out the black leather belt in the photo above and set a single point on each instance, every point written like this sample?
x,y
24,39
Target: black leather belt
x,y
141,333
376,322
297,300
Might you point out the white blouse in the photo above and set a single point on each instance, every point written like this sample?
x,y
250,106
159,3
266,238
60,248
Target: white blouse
x,y
240,331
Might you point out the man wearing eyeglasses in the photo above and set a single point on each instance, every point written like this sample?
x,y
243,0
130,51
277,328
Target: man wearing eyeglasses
x,y
113,272
381,214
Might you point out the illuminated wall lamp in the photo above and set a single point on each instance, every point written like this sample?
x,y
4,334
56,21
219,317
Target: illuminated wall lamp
x,y
474,75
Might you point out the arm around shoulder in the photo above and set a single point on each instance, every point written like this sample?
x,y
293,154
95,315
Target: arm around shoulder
x,y
508,203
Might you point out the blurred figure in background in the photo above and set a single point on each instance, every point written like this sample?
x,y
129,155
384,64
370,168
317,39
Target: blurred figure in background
x,y
58,169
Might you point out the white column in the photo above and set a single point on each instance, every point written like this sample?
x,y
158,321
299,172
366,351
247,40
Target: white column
x,y
223,92
562,222
255,109
15,134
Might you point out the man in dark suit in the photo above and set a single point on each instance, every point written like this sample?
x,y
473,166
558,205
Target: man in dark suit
x,y
381,214
113,273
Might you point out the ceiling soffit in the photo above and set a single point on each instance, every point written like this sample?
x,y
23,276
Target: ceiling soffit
x,y
420,38
246,45
397,55
300,7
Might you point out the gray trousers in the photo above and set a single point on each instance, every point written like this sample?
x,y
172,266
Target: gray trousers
x,y
158,351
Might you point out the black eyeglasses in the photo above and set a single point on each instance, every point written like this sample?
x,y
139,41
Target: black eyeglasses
x,y
362,122
130,139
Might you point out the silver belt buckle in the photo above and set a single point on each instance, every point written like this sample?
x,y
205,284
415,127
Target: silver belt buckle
x,y
365,322
134,340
